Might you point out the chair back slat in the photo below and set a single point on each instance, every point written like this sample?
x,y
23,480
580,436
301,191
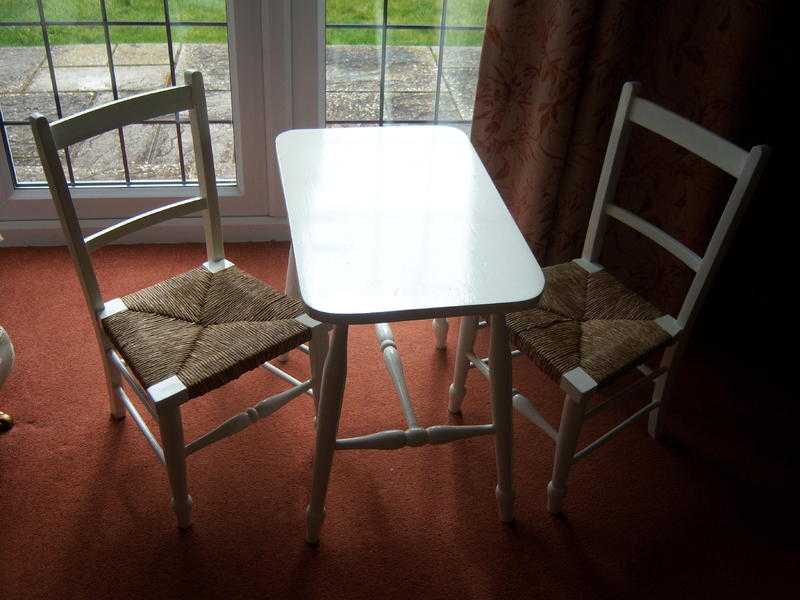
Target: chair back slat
x,y
666,241
746,167
697,140
50,137
119,113
144,220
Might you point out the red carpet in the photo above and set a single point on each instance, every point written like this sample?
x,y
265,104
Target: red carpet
x,y
84,506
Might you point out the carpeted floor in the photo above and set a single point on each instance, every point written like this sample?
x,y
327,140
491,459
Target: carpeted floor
x,y
84,506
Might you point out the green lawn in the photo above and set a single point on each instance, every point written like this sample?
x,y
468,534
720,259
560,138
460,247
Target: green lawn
x,y
405,12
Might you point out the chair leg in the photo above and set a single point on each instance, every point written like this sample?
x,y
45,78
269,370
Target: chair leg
x,y
440,327
319,351
113,381
653,425
330,406
500,380
568,432
292,288
466,339
171,427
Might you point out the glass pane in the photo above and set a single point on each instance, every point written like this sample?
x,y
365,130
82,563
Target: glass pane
x,y
349,12
80,60
209,57
135,10
410,80
222,146
415,12
70,10
14,10
467,12
22,59
24,154
98,158
462,55
152,151
353,75
203,11
141,62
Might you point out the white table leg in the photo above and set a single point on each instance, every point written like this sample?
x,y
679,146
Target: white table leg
x,y
500,361
329,408
318,352
440,327
292,288
466,339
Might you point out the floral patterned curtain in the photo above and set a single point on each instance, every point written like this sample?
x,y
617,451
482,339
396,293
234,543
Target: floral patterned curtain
x,y
550,76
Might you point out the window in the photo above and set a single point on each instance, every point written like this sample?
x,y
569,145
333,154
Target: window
x,y
402,61
59,57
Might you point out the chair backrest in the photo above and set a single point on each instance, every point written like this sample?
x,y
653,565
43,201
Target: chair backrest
x,y
52,137
746,167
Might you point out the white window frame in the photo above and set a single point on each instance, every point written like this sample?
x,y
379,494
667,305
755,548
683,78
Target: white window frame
x,y
276,84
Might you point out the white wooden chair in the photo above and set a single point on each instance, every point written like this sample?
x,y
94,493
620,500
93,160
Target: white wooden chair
x,y
588,328
187,335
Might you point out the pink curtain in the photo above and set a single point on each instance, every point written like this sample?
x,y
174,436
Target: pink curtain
x,y
550,76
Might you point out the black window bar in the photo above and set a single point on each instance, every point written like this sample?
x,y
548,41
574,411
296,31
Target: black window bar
x,y
386,26
105,23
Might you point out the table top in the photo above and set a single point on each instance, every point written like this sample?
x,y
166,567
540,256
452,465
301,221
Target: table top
x,y
400,223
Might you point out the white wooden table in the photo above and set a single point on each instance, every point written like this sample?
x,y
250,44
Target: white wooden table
x,y
401,223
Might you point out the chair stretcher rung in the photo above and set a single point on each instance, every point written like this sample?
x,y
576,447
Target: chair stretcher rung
x,y
246,418
122,367
526,408
398,438
649,376
137,418
285,376
615,430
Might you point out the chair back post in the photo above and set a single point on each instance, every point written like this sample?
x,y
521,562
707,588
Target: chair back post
x,y
204,159
736,206
48,154
609,174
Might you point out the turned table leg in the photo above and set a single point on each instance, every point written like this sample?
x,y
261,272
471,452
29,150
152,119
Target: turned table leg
x,y
500,361
329,408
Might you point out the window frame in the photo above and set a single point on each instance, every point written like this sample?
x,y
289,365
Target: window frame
x,y
252,41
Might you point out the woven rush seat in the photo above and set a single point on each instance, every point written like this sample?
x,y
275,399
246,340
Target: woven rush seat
x,y
587,320
205,328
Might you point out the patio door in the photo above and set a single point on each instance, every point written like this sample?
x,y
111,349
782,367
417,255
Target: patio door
x,y
261,63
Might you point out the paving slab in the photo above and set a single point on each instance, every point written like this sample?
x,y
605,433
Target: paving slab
x,y
219,105
459,56
222,146
79,55
144,54
141,78
209,59
352,68
417,106
352,106
18,66
18,107
462,85
410,69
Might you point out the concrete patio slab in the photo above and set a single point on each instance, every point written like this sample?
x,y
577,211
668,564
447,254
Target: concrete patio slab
x,y
144,54
18,66
352,106
417,106
461,84
80,55
410,69
209,59
353,68
18,107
